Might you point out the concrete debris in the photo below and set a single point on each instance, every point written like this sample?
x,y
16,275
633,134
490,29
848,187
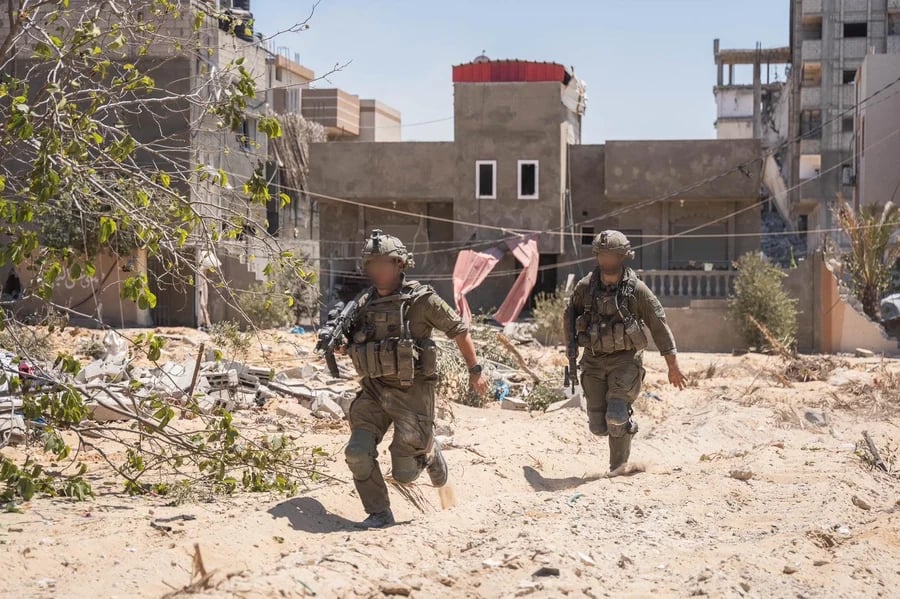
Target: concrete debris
x,y
105,370
116,350
514,403
106,408
292,409
222,380
864,353
12,426
573,400
325,407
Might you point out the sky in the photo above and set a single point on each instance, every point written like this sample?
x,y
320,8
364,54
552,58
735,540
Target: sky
x,y
648,64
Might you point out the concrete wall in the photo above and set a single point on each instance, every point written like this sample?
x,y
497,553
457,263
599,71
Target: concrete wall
x,y
334,109
508,122
878,175
638,170
703,326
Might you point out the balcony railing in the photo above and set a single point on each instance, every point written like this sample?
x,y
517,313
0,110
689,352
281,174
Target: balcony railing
x,y
695,284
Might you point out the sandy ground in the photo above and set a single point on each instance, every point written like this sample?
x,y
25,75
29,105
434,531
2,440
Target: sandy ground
x,y
529,495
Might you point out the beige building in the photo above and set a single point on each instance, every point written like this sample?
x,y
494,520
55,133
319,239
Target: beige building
x,y
347,118
877,140
516,164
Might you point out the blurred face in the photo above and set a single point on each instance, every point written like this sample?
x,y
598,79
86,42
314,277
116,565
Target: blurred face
x,y
384,272
610,263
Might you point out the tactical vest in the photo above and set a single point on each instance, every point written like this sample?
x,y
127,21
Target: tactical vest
x,y
607,324
382,346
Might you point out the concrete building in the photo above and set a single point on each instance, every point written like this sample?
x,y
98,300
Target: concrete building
x,y
516,164
877,141
183,142
757,107
347,118
829,41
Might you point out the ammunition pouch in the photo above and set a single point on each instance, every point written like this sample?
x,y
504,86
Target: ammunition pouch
x,y
636,335
392,358
428,358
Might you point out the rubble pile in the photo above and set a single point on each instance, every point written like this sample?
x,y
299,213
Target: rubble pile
x,y
115,389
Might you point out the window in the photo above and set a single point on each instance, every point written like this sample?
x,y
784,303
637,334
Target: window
x,y
247,136
279,74
486,179
856,29
528,179
847,124
810,123
849,76
803,226
587,235
812,28
698,246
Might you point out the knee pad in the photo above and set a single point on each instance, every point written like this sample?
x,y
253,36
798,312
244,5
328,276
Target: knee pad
x,y
406,469
360,454
618,418
597,425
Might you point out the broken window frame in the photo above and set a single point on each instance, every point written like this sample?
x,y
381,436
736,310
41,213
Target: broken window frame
x,y
478,165
848,76
537,179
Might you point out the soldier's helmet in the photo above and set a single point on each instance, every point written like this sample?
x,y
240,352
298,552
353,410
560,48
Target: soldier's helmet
x,y
612,242
378,244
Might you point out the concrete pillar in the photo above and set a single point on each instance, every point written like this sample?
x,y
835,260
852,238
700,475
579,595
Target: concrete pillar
x,y
757,97
664,229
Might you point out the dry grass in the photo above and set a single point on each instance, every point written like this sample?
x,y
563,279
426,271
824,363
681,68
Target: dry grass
x,y
879,398
798,369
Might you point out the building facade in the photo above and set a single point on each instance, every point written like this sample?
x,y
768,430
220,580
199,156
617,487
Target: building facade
x,y
516,165
830,39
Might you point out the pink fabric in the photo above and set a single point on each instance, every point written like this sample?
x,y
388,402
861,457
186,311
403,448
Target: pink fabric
x,y
526,252
470,270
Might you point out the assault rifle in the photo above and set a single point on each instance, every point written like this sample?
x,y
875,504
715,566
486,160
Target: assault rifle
x,y
570,376
336,332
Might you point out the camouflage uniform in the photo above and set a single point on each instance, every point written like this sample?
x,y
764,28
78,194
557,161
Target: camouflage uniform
x,y
609,323
394,354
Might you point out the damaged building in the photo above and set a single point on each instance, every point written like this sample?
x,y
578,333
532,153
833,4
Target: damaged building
x,y
516,169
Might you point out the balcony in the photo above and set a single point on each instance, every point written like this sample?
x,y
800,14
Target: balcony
x,y
691,284
811,50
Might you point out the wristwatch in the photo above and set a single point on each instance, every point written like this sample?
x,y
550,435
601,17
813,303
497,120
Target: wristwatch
x,y
477,369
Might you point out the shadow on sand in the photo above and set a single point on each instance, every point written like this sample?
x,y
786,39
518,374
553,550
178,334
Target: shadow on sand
x,y
308,514
540,483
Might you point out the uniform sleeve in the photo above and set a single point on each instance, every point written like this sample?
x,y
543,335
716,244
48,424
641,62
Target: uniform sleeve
x,y
650,310
439,315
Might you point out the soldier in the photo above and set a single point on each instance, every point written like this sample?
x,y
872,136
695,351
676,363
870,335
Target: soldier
x,y
394,355
606,316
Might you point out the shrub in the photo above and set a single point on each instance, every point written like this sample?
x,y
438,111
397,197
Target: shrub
x,y
548,315
759,294
265,307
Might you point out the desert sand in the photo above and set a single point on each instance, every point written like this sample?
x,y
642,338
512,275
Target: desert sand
x,y
740,486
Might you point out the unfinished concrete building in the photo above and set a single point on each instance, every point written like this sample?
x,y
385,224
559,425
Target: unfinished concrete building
x,y
516,164
829,41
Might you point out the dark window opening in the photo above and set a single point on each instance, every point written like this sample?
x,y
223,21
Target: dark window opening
x,y
587,235
847,124
272,213
485,180
803,226
849,76
856,29
279,73
528,179
810,123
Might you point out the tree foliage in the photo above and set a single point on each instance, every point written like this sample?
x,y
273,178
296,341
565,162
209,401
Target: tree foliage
x,y
107,109
871,255
759,295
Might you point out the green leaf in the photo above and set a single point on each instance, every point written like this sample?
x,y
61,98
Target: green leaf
x,y
107,228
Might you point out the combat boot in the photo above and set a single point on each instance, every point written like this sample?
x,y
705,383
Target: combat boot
x,y
379,520
437,467
619,451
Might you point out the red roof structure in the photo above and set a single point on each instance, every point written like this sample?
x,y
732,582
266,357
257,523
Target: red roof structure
x,y
500,71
